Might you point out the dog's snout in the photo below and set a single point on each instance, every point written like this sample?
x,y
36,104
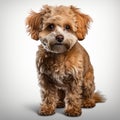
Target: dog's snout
x,y
59,38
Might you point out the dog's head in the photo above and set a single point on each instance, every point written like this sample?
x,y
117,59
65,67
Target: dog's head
x,y
58,28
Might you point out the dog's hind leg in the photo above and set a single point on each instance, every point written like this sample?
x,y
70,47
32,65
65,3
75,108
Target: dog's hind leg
x,y
88,88
89,97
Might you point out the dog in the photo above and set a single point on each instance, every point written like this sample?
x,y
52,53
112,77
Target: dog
x,y
65,73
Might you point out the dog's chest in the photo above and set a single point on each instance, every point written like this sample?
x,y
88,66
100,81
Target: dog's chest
x,y
55,68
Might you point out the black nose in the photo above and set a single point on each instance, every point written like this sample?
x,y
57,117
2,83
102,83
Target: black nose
x,y
59,38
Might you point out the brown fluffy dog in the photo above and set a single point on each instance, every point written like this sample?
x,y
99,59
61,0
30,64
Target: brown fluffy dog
x,y
64,69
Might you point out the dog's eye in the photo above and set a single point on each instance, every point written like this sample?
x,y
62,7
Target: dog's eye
x,y
67,27
51,27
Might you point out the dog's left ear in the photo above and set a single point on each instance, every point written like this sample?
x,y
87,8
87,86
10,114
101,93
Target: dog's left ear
x,y
82,22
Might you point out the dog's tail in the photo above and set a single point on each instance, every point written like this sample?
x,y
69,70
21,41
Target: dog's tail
x,y
98,97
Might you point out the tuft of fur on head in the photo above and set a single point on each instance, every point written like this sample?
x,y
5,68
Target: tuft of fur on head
x,y
67,21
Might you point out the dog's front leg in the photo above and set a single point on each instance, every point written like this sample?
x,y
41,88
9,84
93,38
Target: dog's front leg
x,y
49,94
73,100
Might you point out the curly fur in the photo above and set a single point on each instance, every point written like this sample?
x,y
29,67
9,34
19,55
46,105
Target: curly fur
x,y
64,69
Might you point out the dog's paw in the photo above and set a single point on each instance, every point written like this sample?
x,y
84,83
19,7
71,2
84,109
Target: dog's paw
x,y
73,112
88,103
46,110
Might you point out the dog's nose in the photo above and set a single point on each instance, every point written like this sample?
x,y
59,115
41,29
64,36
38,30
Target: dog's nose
x,y
59,38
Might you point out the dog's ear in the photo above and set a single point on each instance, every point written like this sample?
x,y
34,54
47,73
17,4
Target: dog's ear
x,y
33,22
82,22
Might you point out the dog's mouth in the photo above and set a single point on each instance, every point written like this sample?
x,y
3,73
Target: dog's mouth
x,y
62,44
59,47
58,44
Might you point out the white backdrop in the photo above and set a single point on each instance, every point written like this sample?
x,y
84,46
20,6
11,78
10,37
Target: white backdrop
x,y
19,90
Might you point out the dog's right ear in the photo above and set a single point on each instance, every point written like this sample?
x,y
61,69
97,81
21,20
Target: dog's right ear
x,y
33,22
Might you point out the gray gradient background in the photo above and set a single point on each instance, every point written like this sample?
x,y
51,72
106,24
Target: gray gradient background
x,y
19,90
